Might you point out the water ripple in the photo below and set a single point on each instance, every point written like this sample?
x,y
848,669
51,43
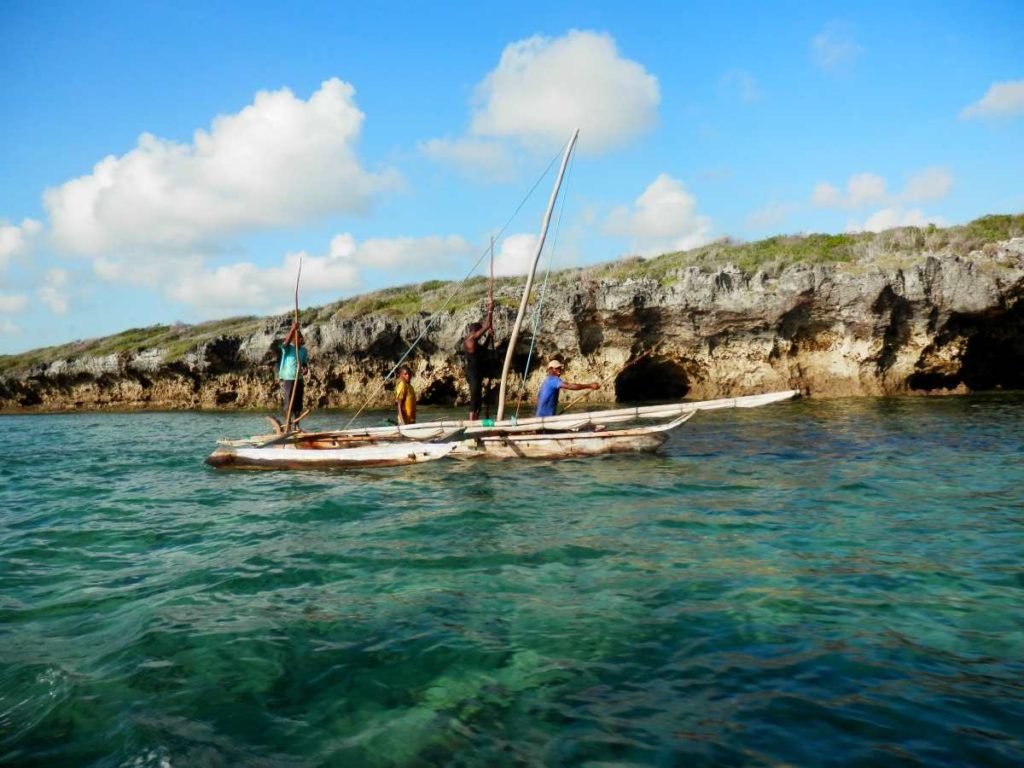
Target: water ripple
x,y
811,584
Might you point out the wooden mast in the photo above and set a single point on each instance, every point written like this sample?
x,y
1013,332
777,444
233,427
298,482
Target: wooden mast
x,y
490,336
529,279
298,363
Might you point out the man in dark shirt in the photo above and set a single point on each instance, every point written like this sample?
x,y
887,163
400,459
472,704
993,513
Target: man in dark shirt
x,y
472,348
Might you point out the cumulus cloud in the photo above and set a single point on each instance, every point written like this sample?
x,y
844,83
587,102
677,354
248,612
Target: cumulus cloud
x,y
771,215
16,239
663,219
887,218
515,255
826,196
473,157
742,83
10,303
399,253
1002,100
930,184
247,287
834,48
280,161
866,189
542,89
53,291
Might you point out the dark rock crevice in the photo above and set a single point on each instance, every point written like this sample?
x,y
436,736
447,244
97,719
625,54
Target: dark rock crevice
x,y
650,379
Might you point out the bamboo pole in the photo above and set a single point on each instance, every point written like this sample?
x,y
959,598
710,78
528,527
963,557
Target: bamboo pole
x,y
298,363
529,279
490,335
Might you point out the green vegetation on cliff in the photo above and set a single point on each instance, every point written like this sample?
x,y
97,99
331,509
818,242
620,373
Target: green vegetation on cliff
x,y
893,248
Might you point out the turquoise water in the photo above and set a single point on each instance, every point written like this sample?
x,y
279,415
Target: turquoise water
x,y
814,583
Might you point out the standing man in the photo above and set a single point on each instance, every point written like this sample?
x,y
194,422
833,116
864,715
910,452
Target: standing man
x,y
547,398
289,367
472,348
405,396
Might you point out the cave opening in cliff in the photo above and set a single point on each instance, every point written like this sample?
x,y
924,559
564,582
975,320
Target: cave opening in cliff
x,y
441,391
651,379
993,358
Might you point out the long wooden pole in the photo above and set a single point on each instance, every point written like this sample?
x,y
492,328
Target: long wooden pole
x,y
529,279
298,363
490,335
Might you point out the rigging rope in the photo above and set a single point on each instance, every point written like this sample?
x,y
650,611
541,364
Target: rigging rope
x,y
544,288
454,293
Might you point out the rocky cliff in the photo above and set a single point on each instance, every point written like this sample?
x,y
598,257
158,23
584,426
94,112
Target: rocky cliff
x,y
934,322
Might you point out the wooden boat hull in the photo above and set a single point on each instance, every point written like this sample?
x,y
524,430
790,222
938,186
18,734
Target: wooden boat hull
x,y
309,457
556,446
541,438
563,445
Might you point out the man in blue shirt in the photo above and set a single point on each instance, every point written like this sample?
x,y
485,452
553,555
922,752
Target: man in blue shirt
x,y
291,374
547,398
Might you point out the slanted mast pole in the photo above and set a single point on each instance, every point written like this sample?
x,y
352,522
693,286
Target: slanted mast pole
x,y
529,279
490,336
298,364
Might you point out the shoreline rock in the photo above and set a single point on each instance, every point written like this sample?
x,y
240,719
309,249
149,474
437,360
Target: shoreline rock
x,y
948,323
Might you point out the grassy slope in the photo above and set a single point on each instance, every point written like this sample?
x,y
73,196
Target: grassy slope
x,y
895,247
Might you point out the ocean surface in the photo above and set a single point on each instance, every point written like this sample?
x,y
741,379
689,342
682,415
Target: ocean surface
x,y
813,583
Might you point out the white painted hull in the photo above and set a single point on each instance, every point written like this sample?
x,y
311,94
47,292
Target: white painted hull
x,y
563,445
556,447
554,437
392,454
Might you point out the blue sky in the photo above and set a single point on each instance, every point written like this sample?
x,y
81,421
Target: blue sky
x,y
164,162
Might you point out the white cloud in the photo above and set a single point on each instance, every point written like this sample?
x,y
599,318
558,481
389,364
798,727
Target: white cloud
x,y
53,292
887,218
867,189
16,239
280,161
663,219
826,196
864,189
834,48
1002,100
743,83
10,303
771,215
399,253
542,89
246,287
516,255
8,328
930,184
491,159
153,273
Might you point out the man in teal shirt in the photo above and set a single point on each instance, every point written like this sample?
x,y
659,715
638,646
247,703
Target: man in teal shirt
x,y
287,370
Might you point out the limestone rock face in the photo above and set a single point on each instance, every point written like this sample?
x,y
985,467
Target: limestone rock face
x,y
946,323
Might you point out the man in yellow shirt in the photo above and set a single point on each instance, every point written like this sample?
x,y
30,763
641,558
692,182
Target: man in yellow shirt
x,y
405,397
